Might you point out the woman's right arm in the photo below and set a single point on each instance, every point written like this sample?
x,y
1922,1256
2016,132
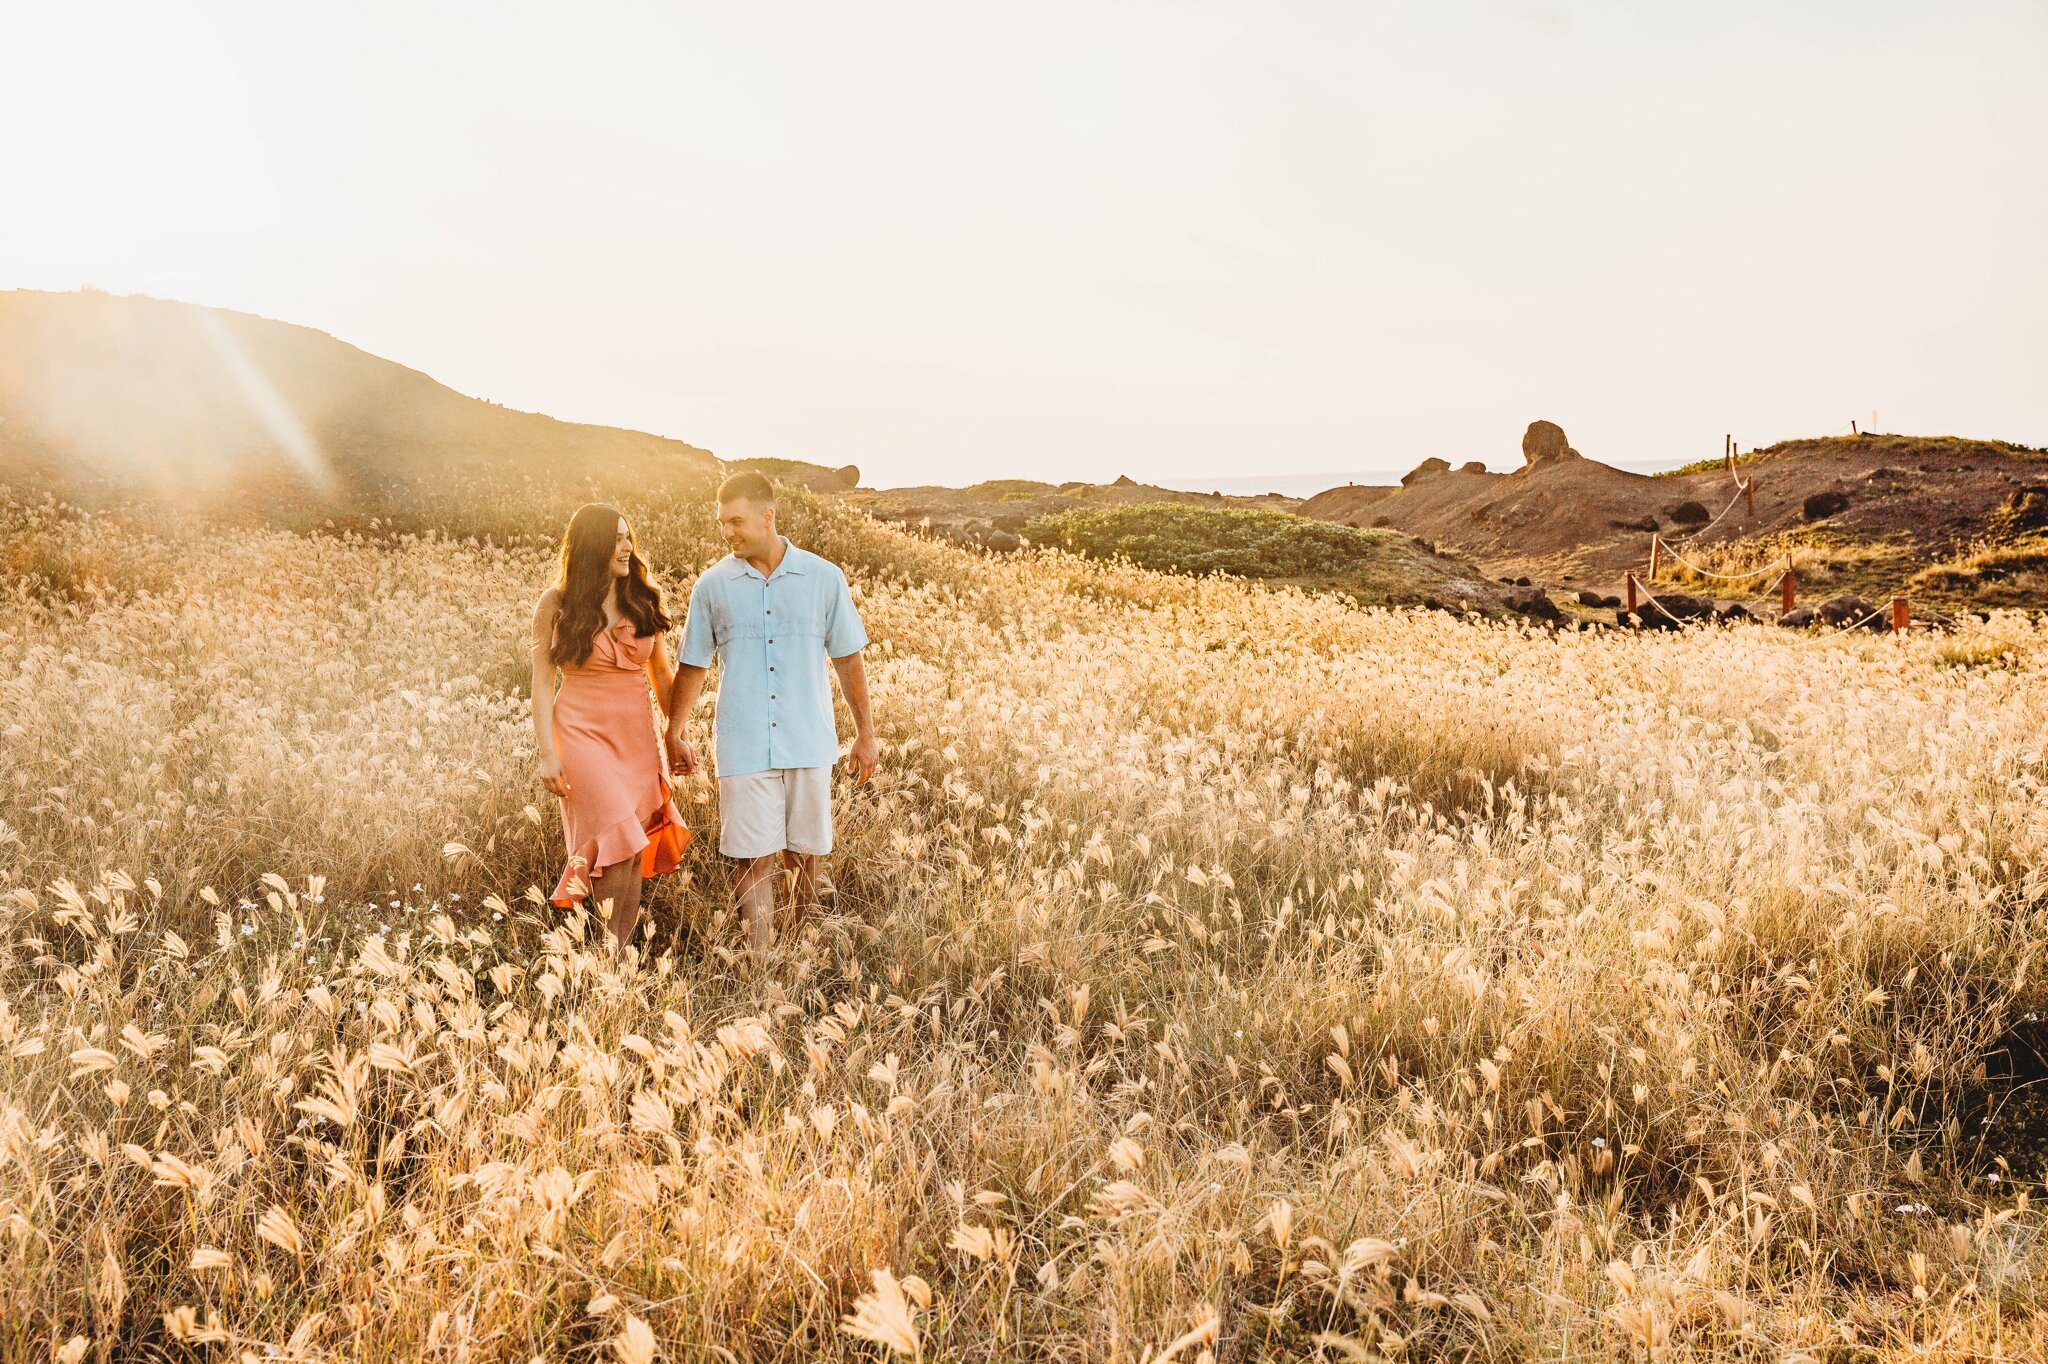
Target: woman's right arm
x,y
545,678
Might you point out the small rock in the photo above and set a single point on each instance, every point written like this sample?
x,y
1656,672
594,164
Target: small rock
x,y
1429,468
1647,524
1647,617
1732,610
1820,506
1689,514
1798,618
1588,597
1535,603
1472,466
1523,582
1002,541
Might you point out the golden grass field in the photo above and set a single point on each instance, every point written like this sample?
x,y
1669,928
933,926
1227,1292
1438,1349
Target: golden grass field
x,y
1217,973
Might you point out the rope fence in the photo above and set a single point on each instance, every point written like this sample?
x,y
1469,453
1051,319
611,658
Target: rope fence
x,y
1638,593
1754,573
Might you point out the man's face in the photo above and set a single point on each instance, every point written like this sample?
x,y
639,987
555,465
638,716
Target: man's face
x,y
748,527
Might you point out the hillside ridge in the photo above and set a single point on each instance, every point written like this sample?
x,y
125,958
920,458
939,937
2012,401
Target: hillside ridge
x,y
105,396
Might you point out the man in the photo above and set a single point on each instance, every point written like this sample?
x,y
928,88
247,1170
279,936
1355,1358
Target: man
x,y
772,613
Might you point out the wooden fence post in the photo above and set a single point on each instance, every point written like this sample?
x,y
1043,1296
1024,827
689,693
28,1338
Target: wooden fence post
x,y
1749,493
1656,548
1901,615
1630,589
1787,609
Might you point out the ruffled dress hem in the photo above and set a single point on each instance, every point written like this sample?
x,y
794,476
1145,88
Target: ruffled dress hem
x,y
659,843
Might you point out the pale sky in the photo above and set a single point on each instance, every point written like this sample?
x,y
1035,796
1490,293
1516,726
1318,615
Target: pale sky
x,y
956,240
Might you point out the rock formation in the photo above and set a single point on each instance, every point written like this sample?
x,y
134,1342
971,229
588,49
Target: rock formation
x,y
1544,443
1820,506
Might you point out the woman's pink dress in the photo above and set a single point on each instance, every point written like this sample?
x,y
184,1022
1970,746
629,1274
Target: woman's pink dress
x,y
619,803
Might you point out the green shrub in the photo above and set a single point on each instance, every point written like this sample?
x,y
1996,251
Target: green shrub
x,y
1178,537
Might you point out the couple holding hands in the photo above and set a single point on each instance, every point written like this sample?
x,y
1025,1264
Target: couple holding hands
x,y
772,614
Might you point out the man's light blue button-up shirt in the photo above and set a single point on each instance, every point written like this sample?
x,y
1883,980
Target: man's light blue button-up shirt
x,y
772,636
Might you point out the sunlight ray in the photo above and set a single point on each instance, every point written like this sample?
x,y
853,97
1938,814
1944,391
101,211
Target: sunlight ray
x,y
265,402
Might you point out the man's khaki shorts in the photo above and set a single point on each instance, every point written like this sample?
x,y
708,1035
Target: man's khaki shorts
x,y
761,813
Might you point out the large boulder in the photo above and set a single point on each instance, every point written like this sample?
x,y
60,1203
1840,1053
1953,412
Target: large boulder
x,y
1798,618
849,475
1535,603
1821,506
1429,468
1545,443
1683,605
1850,609
1472,466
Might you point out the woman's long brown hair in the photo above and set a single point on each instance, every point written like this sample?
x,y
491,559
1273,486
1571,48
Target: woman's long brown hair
x,y
587,547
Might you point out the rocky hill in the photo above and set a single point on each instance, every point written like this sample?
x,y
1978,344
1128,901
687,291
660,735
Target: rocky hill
x,y
105,397
1875,513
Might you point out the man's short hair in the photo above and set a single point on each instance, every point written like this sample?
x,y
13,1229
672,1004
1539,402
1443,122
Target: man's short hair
x,y
751,484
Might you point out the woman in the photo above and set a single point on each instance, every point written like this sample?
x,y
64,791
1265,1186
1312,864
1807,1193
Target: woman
x,y
599,633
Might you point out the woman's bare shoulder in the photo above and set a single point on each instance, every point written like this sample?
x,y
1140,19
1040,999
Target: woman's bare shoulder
x,y
546,612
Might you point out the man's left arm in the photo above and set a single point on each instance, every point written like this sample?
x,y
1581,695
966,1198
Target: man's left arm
x,y
845,637
867,747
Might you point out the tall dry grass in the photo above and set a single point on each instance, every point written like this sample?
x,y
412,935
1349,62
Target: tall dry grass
x,y
1216,972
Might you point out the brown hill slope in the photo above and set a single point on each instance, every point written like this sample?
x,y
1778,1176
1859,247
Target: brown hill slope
x,y
1351,504
1891,505
104,398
